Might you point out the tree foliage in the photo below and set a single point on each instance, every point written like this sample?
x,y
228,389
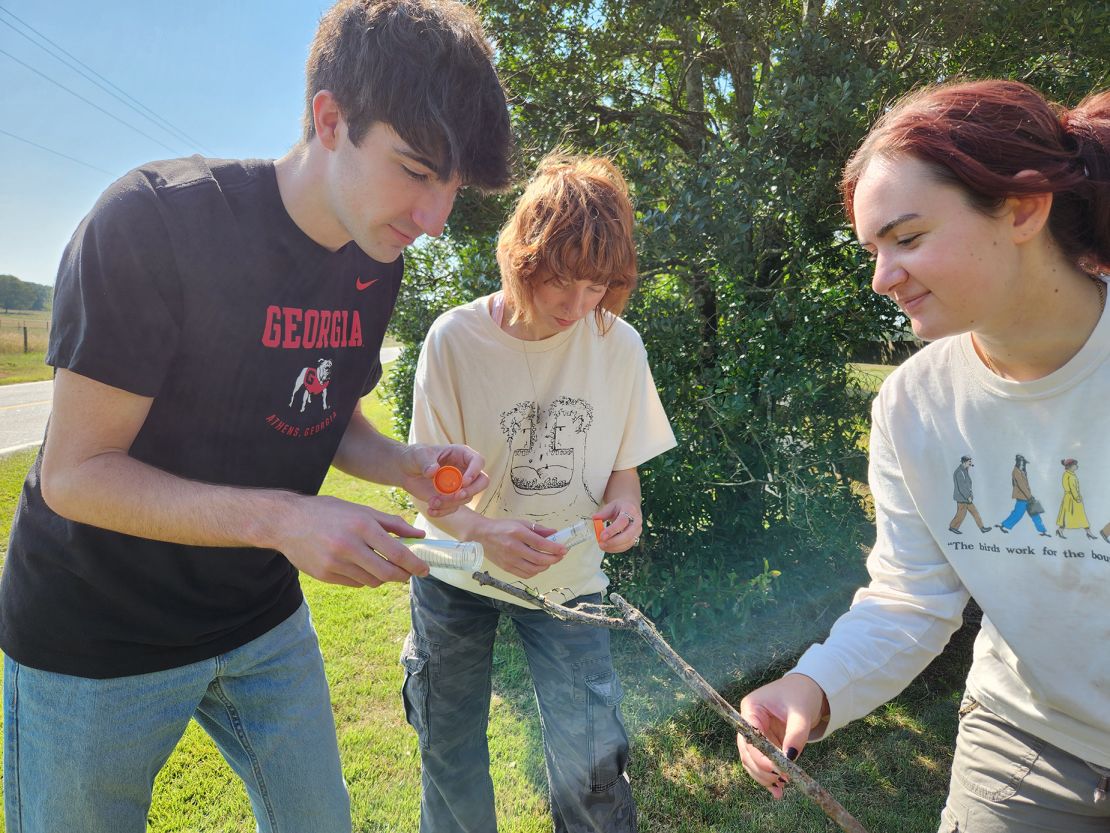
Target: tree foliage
x,y
732,121
21,295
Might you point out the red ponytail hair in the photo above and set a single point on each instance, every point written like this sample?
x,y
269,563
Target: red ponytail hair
x,y
978,135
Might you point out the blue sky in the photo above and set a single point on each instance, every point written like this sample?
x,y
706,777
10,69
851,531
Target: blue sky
x,y
228,74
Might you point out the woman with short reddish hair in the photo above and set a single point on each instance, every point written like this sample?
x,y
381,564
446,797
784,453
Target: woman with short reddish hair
x,y
987,212
553,387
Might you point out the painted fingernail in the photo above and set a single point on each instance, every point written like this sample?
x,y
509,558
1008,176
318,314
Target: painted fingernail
x,y
791,753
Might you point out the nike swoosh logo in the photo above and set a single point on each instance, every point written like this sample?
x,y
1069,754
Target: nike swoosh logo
x,y
361,284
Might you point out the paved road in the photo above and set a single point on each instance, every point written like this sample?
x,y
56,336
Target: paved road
x,y
25,408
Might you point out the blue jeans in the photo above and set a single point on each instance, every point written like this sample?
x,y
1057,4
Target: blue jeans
x,y
1019,512
82,754
448,661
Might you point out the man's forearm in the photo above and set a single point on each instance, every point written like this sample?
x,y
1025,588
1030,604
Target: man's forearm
x,y
366,452
115,491
464,524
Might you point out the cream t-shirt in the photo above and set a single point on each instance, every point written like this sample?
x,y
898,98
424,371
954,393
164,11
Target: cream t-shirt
x,y
553,419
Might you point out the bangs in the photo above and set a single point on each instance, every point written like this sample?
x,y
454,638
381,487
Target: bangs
x,y
573,222
585,248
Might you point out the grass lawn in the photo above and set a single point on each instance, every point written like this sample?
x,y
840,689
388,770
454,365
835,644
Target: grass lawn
x,y
890,769
24,367
870,376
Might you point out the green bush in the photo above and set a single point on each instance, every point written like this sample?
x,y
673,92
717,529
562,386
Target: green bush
x,y
732,123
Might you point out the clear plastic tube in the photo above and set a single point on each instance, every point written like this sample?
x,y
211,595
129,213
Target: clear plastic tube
x,y
574,534
455,555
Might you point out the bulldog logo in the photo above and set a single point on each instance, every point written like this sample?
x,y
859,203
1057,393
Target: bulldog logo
x,y
313,380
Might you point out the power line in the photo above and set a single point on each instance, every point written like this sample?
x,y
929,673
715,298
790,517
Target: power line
x,y
119,94
90,103
55,152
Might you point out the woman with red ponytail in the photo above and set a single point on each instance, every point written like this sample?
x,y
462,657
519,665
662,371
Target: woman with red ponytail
x,y
986,210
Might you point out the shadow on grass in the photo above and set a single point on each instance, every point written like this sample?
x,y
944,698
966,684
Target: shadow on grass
x,y
890,769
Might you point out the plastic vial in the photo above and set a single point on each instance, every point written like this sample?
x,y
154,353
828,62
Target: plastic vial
x,y
570,536
456,555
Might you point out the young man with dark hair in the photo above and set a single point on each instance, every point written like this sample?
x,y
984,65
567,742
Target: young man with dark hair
x,y
215,325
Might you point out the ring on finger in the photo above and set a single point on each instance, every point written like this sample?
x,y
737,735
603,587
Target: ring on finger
x,y
631,520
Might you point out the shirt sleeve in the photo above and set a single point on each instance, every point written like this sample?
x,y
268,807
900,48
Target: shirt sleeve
x,y
647,431
373,378
117,297
904,617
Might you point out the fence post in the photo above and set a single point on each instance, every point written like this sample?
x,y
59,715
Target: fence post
x,y
25,349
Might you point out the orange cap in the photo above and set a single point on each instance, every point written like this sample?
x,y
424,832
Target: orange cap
x,y
447,480
599,527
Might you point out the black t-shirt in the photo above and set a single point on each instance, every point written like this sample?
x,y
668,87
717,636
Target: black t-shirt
x,y
190,283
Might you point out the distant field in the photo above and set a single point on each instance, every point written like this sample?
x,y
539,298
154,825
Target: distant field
x,y
38,320
16,365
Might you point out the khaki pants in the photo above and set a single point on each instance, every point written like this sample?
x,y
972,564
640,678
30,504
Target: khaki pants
x,y
1005,780
961,512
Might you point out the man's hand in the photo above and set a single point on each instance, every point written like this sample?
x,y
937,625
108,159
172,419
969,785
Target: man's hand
x,y
344,543
419,464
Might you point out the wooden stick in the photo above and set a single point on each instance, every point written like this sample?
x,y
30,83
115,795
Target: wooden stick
x,y
633,619
567,614
820,796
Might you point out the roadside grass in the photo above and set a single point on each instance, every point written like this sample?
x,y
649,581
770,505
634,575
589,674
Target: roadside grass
x,y
890,769
16,367
13,471
14,364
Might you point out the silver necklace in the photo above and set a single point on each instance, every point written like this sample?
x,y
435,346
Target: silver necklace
x,y
505,312
1100,285
531,378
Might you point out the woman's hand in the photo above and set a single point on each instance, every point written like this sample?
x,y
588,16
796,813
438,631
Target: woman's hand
x,y
519,547
419,463
785,712
624,524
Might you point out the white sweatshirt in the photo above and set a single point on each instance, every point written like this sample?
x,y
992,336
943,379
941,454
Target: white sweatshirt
x,y
1042,658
